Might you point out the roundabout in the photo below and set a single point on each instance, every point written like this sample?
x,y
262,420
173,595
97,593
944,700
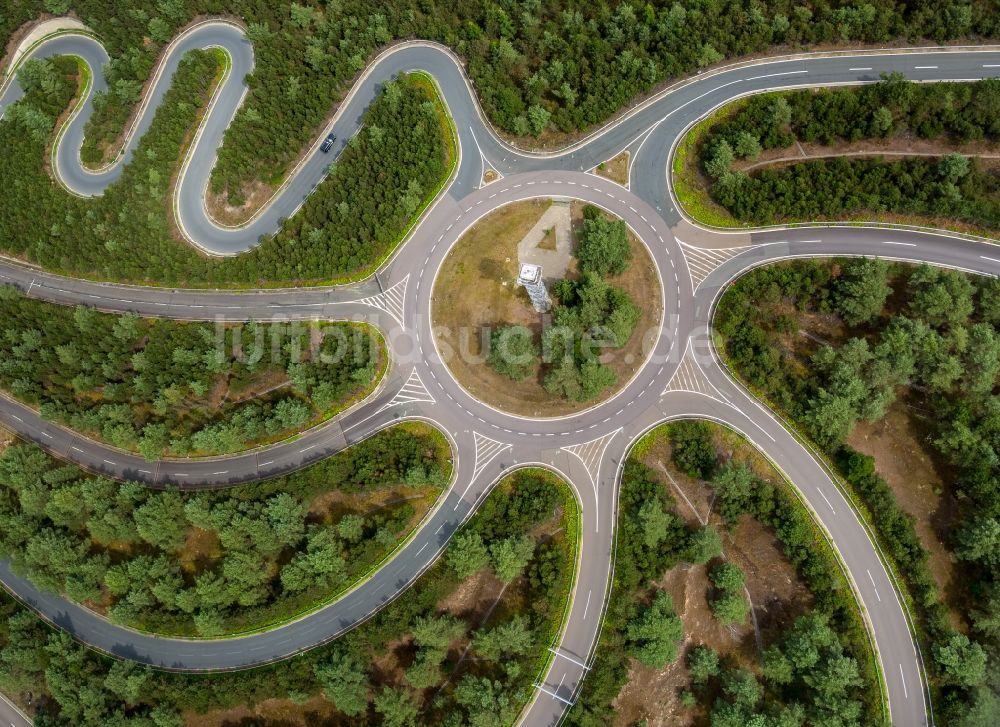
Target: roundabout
x,y
478,303
681,377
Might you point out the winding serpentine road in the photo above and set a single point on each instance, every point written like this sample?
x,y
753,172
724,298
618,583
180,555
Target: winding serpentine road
x,y
682,376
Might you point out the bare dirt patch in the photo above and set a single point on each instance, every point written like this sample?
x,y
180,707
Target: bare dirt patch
x,y
548,242
902,145
201,549
256,194
490,176
476,290
898,444
474,597
334,504
615,169
316,712
7,437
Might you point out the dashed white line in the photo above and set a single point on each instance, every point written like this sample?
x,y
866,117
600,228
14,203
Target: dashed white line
x,y
901,244
586,606
876,593
991,259
859,69
925,68
903,679
823,495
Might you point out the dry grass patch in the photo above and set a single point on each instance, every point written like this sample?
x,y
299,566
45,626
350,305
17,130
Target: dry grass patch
x,y
548,241
615,169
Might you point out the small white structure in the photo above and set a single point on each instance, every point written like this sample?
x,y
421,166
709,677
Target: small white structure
x,y
530,277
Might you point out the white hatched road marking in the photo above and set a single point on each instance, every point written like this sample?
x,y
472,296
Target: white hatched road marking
x,y
412,391
553,695
702,261
690,378
391,300
486,450
591,453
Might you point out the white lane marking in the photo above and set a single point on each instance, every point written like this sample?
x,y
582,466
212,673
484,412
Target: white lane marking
x,y
46,435
220,473
991,259
586,606
991,65
108,461
17,417
569,659
306,449
265,464
76,449
422,548
775,75
876,592
925,68
823,495
859,69
903,679
901,244
440,528
553,695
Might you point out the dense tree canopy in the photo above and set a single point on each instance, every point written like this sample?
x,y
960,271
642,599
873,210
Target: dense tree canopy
x,y
76,687
213,561
934,344
591,314
639,608
167,387
352,220
536,66
603,247
951,186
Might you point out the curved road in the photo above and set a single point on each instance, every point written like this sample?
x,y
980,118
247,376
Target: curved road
x,y
680,377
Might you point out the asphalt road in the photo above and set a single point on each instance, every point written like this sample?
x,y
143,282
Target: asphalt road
x,y
11,715
680,377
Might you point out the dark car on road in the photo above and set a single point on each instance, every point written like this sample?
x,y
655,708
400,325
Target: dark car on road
x,y
328,143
